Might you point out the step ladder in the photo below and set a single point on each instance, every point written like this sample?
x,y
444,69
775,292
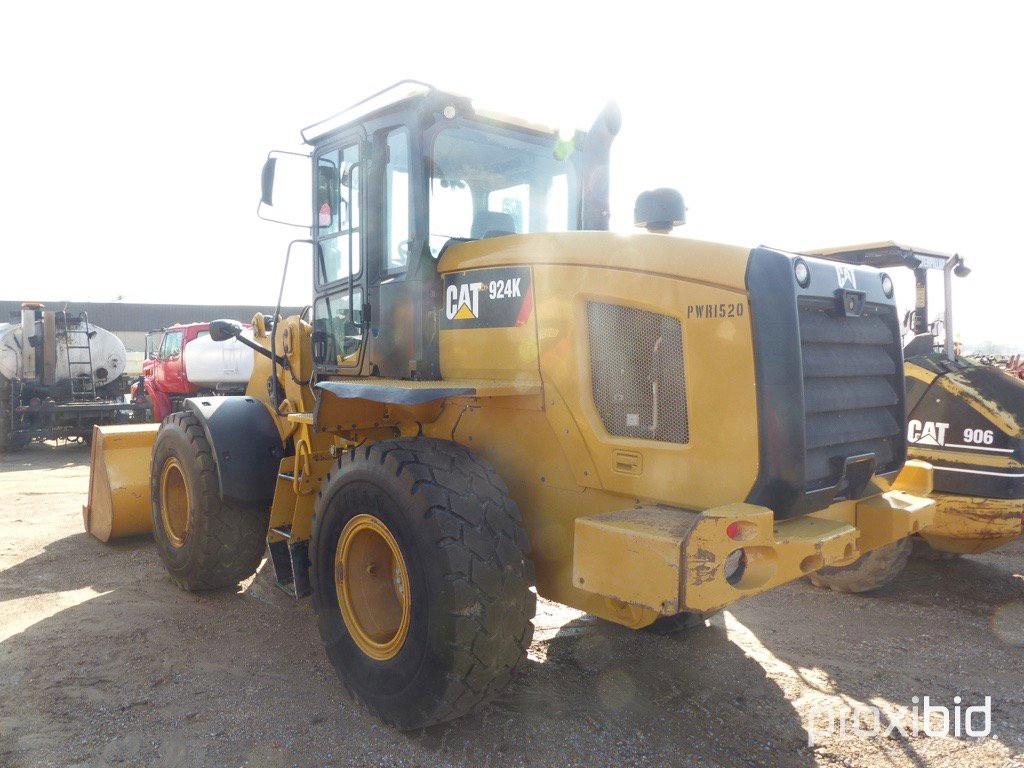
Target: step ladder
x,y
290,560
79,352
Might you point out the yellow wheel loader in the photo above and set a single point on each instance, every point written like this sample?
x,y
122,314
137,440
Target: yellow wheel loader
x,y
964,418
493,397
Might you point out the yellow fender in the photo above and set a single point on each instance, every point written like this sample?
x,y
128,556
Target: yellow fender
x,y
119,496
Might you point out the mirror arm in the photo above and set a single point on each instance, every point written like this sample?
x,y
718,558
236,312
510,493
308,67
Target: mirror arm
x,y
283,361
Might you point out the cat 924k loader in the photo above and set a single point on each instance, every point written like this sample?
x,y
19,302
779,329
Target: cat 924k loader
x,y
492,396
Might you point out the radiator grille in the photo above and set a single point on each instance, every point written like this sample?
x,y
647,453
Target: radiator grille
x,y
636,366
852,378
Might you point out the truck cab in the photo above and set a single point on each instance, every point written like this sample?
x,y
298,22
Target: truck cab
x,y
182,361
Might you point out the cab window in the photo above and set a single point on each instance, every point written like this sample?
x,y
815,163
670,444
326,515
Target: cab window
x,y
153,341
171,347
513,201
486,183
396,203
337,335
337,212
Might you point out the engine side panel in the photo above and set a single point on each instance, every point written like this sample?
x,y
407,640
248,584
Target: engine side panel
x,y
557,452
549,326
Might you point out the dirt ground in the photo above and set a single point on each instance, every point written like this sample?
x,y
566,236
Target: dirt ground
x,y
103,661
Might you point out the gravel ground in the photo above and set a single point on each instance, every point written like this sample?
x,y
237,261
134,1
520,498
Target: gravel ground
x,y
103,661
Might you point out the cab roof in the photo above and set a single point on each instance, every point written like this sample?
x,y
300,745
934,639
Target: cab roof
x,y
407,90
885,255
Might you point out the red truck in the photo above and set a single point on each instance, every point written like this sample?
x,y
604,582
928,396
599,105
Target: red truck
x,y
183,361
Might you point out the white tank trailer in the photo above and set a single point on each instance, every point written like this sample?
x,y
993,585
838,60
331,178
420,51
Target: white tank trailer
x,y
59,376
106,355
218,365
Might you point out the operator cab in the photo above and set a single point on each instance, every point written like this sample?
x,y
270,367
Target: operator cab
x,y
889,255
401,176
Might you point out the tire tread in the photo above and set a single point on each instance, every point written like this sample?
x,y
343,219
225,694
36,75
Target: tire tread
x,y
486,553
872,571
235,539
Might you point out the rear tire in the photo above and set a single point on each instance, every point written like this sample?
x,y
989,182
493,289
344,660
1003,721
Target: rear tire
x,y
204,542
450,634
872,571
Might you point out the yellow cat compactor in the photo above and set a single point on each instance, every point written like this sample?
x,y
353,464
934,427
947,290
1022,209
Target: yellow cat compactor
x,y
491,394
964,418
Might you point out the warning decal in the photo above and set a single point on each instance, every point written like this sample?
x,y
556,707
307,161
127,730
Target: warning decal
x,y
487,298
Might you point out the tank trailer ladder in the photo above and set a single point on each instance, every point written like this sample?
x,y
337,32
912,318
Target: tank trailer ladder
x,y
83,382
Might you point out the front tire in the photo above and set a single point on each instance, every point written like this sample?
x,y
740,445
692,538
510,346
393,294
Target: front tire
x,y
872,571
421,579
204,542
7,421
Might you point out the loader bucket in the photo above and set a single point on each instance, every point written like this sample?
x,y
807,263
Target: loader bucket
x,y
119,497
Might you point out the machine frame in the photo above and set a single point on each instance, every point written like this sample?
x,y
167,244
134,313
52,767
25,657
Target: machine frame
x,y
476,442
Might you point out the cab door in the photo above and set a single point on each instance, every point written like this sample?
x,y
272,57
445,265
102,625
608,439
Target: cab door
x,y
364,215
170,369
340,269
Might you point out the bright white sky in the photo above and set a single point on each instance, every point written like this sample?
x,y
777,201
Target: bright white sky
x,y
134,137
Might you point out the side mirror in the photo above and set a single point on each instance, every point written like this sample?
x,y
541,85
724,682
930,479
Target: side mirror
x,y
659,210
267,181
284,189
222,330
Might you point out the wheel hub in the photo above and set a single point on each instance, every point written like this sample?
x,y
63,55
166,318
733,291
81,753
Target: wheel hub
x,y
372,584
175,503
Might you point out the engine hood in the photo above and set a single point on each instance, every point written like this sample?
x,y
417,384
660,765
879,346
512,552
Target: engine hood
x,y
710,263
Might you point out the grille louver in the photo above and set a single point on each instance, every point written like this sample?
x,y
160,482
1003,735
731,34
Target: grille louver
x,y
852,376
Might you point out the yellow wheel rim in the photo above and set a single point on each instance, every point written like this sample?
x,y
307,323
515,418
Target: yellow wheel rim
x,y
175,505
373,588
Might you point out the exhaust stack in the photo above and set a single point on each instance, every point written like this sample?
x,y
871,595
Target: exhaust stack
x,y
29,342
